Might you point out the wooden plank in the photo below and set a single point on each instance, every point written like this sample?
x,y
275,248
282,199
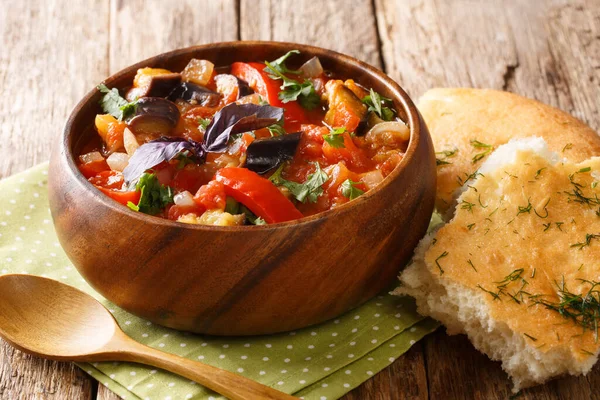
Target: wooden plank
x,y
404,379
42,79
329,23
143,28
26,377
350,30
547,50
45,69
173,25
105,393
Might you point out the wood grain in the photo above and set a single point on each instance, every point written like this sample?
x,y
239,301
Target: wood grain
x,y
43,73
549,52
329,23
140,29
406,379
42,76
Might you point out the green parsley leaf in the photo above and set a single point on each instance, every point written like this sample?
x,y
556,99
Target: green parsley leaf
x,y
154,196
292,90
112,103
349,190
307,191
232,206
279,64
250,216
276,129
335,137
204,122
376,104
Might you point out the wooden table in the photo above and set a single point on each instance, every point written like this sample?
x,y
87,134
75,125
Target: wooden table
x,y
52,52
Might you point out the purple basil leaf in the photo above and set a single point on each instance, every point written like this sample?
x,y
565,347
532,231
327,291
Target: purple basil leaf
x,y
237,118
264,155
151,154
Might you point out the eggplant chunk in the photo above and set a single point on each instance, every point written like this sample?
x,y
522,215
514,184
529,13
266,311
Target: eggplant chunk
x,y
154,116
195,94
157,86
243,88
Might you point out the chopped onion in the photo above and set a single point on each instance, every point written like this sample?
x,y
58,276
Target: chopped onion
x,y
312,68
117,161
130,142
198,71
388,133
91,157
372,178
184,199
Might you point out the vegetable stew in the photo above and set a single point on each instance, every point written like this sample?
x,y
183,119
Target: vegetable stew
x,y
247,144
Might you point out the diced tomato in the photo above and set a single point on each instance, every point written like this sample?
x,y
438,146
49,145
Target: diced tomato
x,y
246,140
176,211
258,194
191,177
253,73
121,196
345,116
350,153
211,196
91,169
338,174
108,179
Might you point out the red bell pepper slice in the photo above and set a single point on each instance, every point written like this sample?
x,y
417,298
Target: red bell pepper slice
x,y
121,196
258,194
253,73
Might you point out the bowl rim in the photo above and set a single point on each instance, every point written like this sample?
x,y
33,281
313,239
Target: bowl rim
x,y
399,96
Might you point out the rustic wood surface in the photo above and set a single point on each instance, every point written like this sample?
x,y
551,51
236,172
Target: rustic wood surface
x,y
54,51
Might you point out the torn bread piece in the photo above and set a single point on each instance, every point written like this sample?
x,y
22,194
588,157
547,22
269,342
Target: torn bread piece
x,y
467,125
518,267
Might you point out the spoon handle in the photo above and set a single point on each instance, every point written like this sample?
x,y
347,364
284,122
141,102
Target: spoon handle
x,y
233,386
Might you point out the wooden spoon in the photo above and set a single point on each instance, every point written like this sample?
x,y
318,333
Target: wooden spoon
x,y
56,321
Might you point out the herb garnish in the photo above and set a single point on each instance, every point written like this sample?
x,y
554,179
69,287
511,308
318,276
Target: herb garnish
x,y
587,241
203,122
292,90
525,209
279,64
470,226
568,146
154,196
276,129
307,191
447,154
465,205
583,309
538,172
479,145
349,189
376,103
335,137
471,264
444,254
112,103
530,337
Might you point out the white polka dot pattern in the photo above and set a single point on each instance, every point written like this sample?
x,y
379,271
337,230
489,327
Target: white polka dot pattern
x,y
322,362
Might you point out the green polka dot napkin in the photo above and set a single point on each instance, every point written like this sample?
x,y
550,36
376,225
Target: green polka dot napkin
x,y
319,362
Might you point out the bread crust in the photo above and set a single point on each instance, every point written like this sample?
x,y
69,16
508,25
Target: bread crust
x,y
455,116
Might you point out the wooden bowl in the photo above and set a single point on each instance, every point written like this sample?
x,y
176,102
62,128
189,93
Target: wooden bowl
x,y
243,280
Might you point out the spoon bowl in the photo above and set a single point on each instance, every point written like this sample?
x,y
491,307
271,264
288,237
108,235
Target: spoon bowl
x,y
34,309
56,321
